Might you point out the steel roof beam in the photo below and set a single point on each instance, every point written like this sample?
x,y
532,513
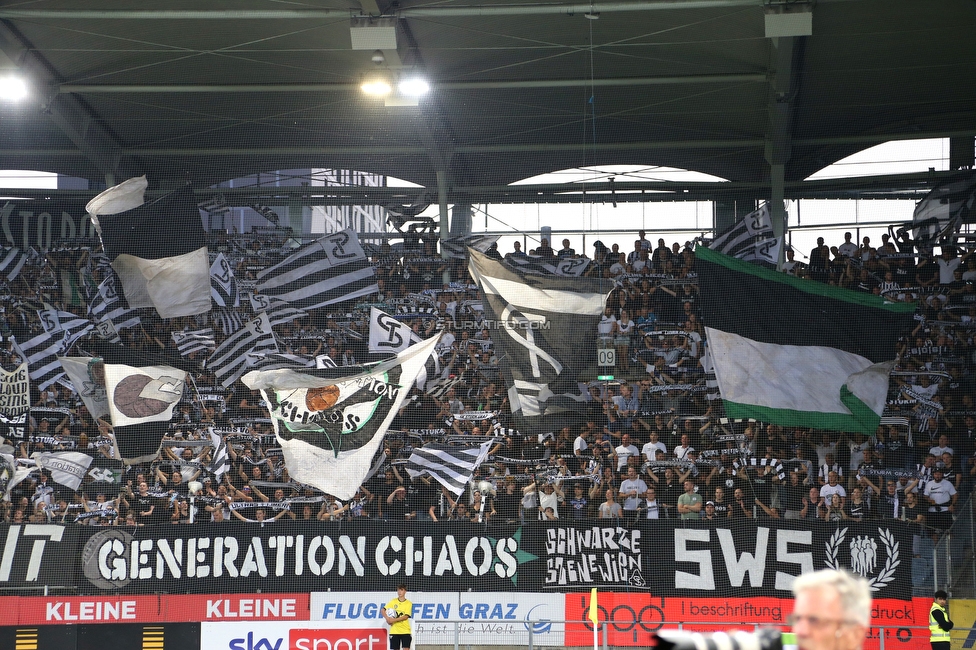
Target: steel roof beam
x,y
82,126
515,84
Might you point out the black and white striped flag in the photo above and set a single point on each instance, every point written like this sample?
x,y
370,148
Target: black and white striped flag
x,y
229,360
434,373
741,237
567,266
107,305
41,353
279,360
440,390
12,260
267,213
330,270
452,466
201,340
223,284
220,461
457,249
54,320
278,311
228,320
765,251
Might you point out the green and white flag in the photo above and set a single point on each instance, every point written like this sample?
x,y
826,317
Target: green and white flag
x,y
330,422
797,352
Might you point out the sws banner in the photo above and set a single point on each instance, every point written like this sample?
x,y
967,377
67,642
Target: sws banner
x,y
666,558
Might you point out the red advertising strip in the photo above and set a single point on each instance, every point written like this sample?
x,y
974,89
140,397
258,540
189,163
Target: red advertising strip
x,y
633,618
54,610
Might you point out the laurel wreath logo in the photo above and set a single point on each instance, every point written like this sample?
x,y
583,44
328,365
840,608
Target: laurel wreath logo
x,y
887,573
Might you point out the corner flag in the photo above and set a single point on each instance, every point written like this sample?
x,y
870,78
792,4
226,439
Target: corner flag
x,y
593,615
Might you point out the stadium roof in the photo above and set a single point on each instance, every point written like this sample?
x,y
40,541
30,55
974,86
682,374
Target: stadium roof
x,y
183,90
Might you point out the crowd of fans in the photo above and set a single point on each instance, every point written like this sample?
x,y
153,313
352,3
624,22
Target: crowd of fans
x,y
654,444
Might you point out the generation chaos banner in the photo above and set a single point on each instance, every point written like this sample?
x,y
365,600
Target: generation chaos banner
x,y
666,558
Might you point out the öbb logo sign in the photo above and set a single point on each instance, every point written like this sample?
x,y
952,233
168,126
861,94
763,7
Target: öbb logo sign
x,y
315,639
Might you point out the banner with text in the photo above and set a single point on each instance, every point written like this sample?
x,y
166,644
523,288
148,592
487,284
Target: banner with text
x,y
667,558
497,618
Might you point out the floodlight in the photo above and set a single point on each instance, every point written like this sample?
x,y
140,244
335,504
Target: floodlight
x,y
413,87
12,89
377,85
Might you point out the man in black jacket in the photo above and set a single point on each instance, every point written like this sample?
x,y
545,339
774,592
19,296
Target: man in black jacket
x,y
939,623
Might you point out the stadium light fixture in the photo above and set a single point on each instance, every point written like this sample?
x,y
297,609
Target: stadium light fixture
x,y
12,88
377,85
413,87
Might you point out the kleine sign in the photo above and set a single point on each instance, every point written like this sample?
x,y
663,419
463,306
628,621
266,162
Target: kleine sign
x,y
47,610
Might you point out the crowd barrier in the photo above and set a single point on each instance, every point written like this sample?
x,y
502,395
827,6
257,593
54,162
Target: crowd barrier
x,y
312,635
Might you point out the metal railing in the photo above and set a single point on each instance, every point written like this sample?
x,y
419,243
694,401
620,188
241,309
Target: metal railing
x,y
953,566
490,635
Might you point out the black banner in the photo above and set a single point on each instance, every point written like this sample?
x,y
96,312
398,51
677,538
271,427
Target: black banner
x,y
664,557
43,222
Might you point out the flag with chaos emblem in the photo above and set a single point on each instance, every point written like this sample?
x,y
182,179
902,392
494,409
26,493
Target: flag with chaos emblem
x,y
330,422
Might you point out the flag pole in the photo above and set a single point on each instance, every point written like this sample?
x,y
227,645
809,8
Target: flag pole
x,y
594,617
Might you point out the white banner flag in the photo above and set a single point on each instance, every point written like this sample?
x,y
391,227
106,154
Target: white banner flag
x,y
67,467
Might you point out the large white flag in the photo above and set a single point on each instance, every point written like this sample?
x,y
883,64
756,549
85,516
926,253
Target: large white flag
x,y
330,427
140,395
67,467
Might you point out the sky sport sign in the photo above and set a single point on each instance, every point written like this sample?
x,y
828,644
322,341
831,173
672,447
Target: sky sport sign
x,y
290,636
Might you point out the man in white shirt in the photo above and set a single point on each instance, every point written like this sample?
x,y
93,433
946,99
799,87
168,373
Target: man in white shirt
x,y
941,496
681,451
632,490
942,447
948,263
848,248
551,497
831,488
649,450
826,446
580,445
625,450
